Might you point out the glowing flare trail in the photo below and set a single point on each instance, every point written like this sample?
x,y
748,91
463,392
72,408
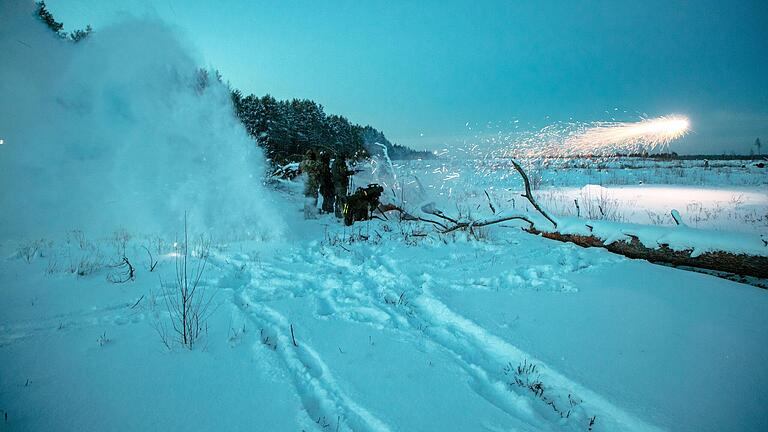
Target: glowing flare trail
x,y
628,136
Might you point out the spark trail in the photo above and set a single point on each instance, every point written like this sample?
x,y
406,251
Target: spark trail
x,y
627,137
591,139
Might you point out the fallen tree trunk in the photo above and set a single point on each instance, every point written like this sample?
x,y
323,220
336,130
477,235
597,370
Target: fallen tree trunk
x,y
741,264
736,263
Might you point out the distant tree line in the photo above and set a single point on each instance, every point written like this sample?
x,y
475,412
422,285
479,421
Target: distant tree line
x,y
372,139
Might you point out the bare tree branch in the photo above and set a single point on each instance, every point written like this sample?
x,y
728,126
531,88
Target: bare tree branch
x,y
528,195
490,202
478,224
407,216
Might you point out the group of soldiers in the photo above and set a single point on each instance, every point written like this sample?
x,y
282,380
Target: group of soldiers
x,y
331,181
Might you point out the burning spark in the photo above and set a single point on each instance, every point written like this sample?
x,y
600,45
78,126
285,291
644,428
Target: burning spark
x,y
627,137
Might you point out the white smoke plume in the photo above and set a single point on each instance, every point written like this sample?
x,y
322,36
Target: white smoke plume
x,y
116,132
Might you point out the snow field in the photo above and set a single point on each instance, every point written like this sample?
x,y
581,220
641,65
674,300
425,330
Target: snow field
x,y
396,332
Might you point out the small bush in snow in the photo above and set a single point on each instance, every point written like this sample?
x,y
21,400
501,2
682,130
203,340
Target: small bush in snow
x,y
525,375
30,249
186,300
86,262
103,339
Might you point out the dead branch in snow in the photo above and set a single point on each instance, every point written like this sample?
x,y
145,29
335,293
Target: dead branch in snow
x,y
293,337
152,260
125,272
383,208
528,195
490,203
479,224
429,209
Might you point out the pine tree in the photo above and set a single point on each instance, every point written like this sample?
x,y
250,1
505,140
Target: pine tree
x,y
79,35
47,17
287,129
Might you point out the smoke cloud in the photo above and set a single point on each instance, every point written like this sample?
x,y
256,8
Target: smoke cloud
x,y
117,131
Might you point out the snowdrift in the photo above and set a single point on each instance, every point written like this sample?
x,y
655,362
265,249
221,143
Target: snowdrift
x,y
119,131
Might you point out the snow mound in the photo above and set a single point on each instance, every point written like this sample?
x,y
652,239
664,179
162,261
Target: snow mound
x,y
120,130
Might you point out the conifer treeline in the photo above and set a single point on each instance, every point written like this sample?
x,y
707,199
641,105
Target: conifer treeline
x,y
47,17
287,129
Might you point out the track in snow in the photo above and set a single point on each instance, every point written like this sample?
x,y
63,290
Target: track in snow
x,y
374,291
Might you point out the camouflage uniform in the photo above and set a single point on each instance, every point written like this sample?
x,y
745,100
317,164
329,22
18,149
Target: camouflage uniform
x,y
326,183
360,205
311,167
340,176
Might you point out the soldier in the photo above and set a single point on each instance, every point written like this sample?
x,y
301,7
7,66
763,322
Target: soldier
x,y
340,173
327,189
310,166
360,205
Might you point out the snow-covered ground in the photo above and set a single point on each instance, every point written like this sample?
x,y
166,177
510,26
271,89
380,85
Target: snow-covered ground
x,y
729,195
308,325
395,327
743,209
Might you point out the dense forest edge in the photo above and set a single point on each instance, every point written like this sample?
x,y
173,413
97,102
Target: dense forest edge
x,y
288,129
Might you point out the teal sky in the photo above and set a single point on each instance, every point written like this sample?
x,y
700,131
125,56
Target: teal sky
x,y
422,70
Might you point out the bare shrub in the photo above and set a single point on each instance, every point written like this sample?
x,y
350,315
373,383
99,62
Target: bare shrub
x,y
103,339
78,237
85,262
526,376
53,266
120,241
30,249
186,300
83,257
536,177
656,218
600,207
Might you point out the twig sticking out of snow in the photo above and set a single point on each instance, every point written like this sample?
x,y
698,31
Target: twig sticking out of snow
x,y
293,338
490,202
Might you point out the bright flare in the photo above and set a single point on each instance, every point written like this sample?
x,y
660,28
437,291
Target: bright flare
x,y
628,137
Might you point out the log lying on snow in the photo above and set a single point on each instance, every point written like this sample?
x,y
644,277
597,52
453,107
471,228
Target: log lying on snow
x,y
737,263
736,260
740,256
